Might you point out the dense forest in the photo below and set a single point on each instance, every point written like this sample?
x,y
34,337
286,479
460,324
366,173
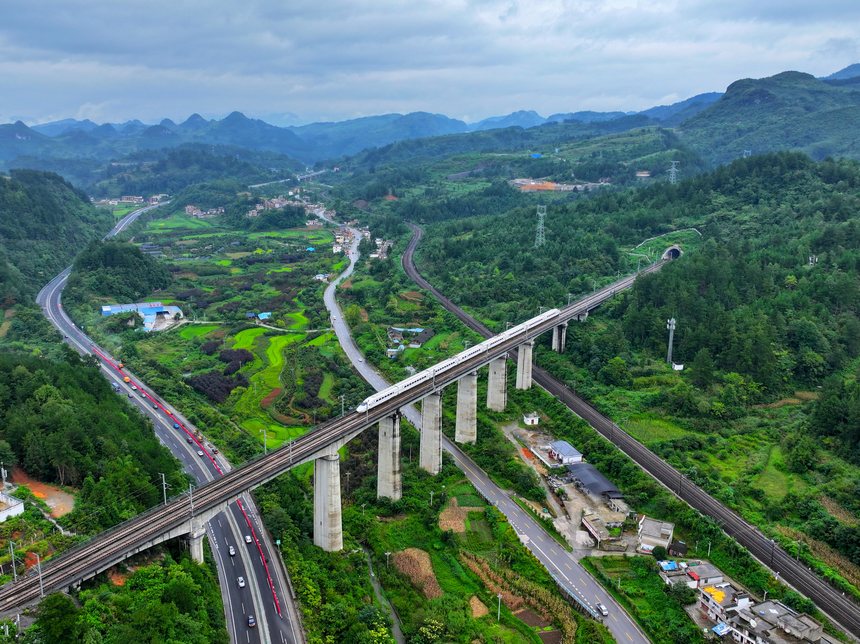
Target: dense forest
x,y
117,269
772,293
165,601
43,222
63,423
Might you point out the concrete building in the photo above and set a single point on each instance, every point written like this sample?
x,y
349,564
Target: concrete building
x,y
720,602
705,575
653,533
773,622
565,453
10,506
531,419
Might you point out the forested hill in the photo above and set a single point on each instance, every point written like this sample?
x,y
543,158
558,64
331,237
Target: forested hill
x,y
44,222
749,294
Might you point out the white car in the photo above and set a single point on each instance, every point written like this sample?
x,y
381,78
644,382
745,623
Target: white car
x,y
602,609
199,452
241,581
248,539
232,551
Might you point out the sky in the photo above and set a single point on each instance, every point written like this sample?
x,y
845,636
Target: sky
x,y
298,61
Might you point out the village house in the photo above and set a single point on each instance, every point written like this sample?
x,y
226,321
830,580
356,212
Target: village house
x,y
719,602
653,533
565,453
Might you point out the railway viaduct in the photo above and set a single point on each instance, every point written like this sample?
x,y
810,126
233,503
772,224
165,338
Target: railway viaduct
x,y
187,514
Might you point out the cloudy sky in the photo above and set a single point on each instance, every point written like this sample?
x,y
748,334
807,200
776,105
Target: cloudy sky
x,y
308,60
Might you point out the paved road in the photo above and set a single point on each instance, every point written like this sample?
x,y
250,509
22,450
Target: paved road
x,y
841,609
559,562
266,594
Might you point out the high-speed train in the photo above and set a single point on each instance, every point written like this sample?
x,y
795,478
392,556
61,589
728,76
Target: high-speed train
x,y
463,356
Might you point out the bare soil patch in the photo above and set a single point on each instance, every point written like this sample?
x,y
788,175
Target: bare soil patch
x,y
59,501
412,296
347,283
415,564
364,316
550,637
478,607
271,397
531,618
453,517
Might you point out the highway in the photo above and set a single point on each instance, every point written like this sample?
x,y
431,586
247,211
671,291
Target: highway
x,y
265,595
560,563
842,610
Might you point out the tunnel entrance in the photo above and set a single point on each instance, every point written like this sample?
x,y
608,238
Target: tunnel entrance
x,y
673,252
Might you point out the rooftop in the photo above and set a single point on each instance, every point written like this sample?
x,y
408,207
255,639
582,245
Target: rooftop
x,y
565,449
592,480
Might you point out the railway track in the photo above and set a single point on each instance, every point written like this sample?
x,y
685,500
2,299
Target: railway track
x,y
840,608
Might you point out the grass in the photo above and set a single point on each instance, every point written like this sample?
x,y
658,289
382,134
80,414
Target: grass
x,y
649,429
246,339
191,331
326,387
179,221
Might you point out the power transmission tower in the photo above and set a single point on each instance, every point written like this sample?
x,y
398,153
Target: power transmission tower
x,y
670,324
673,173
540,238
747,154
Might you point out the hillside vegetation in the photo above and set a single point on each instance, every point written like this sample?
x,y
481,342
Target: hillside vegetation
x,y
44,221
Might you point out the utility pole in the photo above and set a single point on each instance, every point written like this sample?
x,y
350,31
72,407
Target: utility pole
x,y
3,473
164,487
670,324
39,568
499,609
191,498
266,440
540,237
12,554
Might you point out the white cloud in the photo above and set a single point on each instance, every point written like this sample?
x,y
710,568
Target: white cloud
x,y
332,59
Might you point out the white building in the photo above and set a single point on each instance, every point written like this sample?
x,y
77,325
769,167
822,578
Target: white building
x,y
10,506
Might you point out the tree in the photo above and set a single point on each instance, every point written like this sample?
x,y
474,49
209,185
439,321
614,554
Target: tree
x,y
615,373
57,619
659,553
702,368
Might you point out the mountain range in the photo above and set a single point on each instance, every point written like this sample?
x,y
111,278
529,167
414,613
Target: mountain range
x,y
789,110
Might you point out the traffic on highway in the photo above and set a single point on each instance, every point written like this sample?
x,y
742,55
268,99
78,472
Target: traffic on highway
x,y
259,610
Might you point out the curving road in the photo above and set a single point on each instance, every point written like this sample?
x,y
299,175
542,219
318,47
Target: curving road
x,y
560,563
841,609
265,595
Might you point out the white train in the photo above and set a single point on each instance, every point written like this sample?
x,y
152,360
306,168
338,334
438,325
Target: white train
x,y
428,374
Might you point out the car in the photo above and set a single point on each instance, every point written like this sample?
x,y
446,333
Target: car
x,y
129,395
189,440
602,609
241,582
251,621
175,425
199,452
361,359
134,387
214,450
231,551
248,539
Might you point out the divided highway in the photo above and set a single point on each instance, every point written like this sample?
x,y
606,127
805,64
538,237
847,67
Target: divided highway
x,y
841,609
264,594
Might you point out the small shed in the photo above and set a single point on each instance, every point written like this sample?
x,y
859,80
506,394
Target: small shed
x,y
531,419
565,453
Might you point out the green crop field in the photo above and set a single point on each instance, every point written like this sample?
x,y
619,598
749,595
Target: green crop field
x,y
190,331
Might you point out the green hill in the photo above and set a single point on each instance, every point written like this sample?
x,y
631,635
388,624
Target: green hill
x,y
791,110
44,222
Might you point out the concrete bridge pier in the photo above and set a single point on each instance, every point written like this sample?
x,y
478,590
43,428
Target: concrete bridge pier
x,y
581,317
388,481
195,541
559,337
466,427
328,530
524,365
430,458
497,384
